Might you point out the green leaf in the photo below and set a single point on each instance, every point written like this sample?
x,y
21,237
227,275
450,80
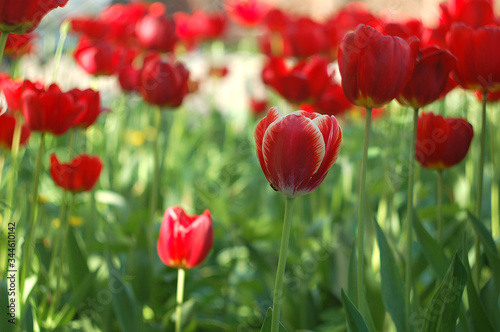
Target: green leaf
x,y
266,325
352,315
77,259
393,293
431,250
489,300
68,311
442,314
4,304
352,279
124,302
489,246
479,318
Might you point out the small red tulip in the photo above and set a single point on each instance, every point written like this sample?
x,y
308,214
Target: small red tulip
x,y
429,78
121,20
163,83
90,101
155,31
128,77
374,67
13,89
442,142
97,57
247,13
306,37
476,68
24,16
258,106
90,27
81,174
332,101
199,26
7,126
184,241
51,111
296,150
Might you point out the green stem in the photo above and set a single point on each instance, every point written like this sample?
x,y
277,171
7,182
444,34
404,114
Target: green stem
x,y
71,142
361,212
179,298
31,229
409,221
63,33
3,41
278,285
156,166
479,193
440,207
16,139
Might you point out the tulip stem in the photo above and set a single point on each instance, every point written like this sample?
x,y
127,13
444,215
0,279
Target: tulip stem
x,y
440,207
31,229
156,165
409,221
16,140
3,41
63,33
361,212
180,295
479,193
278,285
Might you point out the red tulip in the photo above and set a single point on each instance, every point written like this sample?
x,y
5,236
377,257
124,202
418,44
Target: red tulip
x,y
184,241
90,101
404,30
296,150
51,110
276,20
332,101
429,78
97,57
7,125
374,67
304,81
163,83
442,142
155,31
306,37
24,16
121,20
18,45
258,106
81,174
128,77
477,68
90,27
13,89
199,26
248,13
474,13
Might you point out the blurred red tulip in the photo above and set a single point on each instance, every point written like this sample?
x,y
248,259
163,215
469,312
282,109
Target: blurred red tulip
x,y
218,71
304,81
90,27
155,31
442,142
163,83
258,106
474,13
81,174
13,89
429,78
7,125
296,150
128,77
374,67
97,57
306,37
476,68
90,101
276,20
24,16
184,241
18,45
51,111
247,13
332,101
199,26
121,20
404,30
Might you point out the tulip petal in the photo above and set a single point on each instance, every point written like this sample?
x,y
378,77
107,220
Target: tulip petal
x,y
272,115
293,149
199,239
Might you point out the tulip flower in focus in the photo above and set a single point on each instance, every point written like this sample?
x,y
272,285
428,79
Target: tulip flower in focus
x,y
24,16
81,174
50,110
374,67
477,67
429,78
296,150
163,82
7,125
442,142
184,241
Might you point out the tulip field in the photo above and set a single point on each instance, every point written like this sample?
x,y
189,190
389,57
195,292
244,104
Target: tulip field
x,y
248,166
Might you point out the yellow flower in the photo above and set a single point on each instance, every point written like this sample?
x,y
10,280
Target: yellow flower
x,y
136,138
75,221
56,223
